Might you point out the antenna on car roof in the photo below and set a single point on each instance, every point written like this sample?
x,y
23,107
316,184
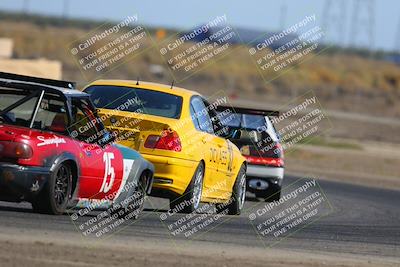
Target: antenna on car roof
x,y
172,84
137,81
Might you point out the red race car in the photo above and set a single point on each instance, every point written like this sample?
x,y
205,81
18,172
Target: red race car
x,y
55,151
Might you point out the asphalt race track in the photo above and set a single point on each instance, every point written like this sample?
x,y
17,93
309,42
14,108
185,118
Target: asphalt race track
x,y
364,221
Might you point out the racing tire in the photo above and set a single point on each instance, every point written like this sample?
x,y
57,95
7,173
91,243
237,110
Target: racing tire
x,y
236,202
54,197
190,201
273,193
135,207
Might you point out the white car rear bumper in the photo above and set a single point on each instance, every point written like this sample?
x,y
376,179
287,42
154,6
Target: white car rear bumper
x,y
259,178
265,172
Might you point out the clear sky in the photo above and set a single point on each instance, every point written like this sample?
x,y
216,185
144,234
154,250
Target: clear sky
x,y
263,15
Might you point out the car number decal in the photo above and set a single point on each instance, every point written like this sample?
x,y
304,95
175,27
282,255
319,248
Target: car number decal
x,y
230,161
108,173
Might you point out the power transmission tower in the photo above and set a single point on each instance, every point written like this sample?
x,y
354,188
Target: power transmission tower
x,y
363,23
65,9
25,7
397,40
283,16
334,21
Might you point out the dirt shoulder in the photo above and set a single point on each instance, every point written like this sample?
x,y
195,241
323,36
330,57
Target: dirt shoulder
x,y
27,250
372,164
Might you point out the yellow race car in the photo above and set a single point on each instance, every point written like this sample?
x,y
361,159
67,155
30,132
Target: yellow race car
x,y
180,133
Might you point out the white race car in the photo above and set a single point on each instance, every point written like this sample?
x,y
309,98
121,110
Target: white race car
x,y
260,145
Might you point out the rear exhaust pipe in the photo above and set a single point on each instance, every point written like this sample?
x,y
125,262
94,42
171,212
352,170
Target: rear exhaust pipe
x,y
258,184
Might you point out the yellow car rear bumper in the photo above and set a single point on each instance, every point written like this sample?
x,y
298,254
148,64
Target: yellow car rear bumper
x,y
171,174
